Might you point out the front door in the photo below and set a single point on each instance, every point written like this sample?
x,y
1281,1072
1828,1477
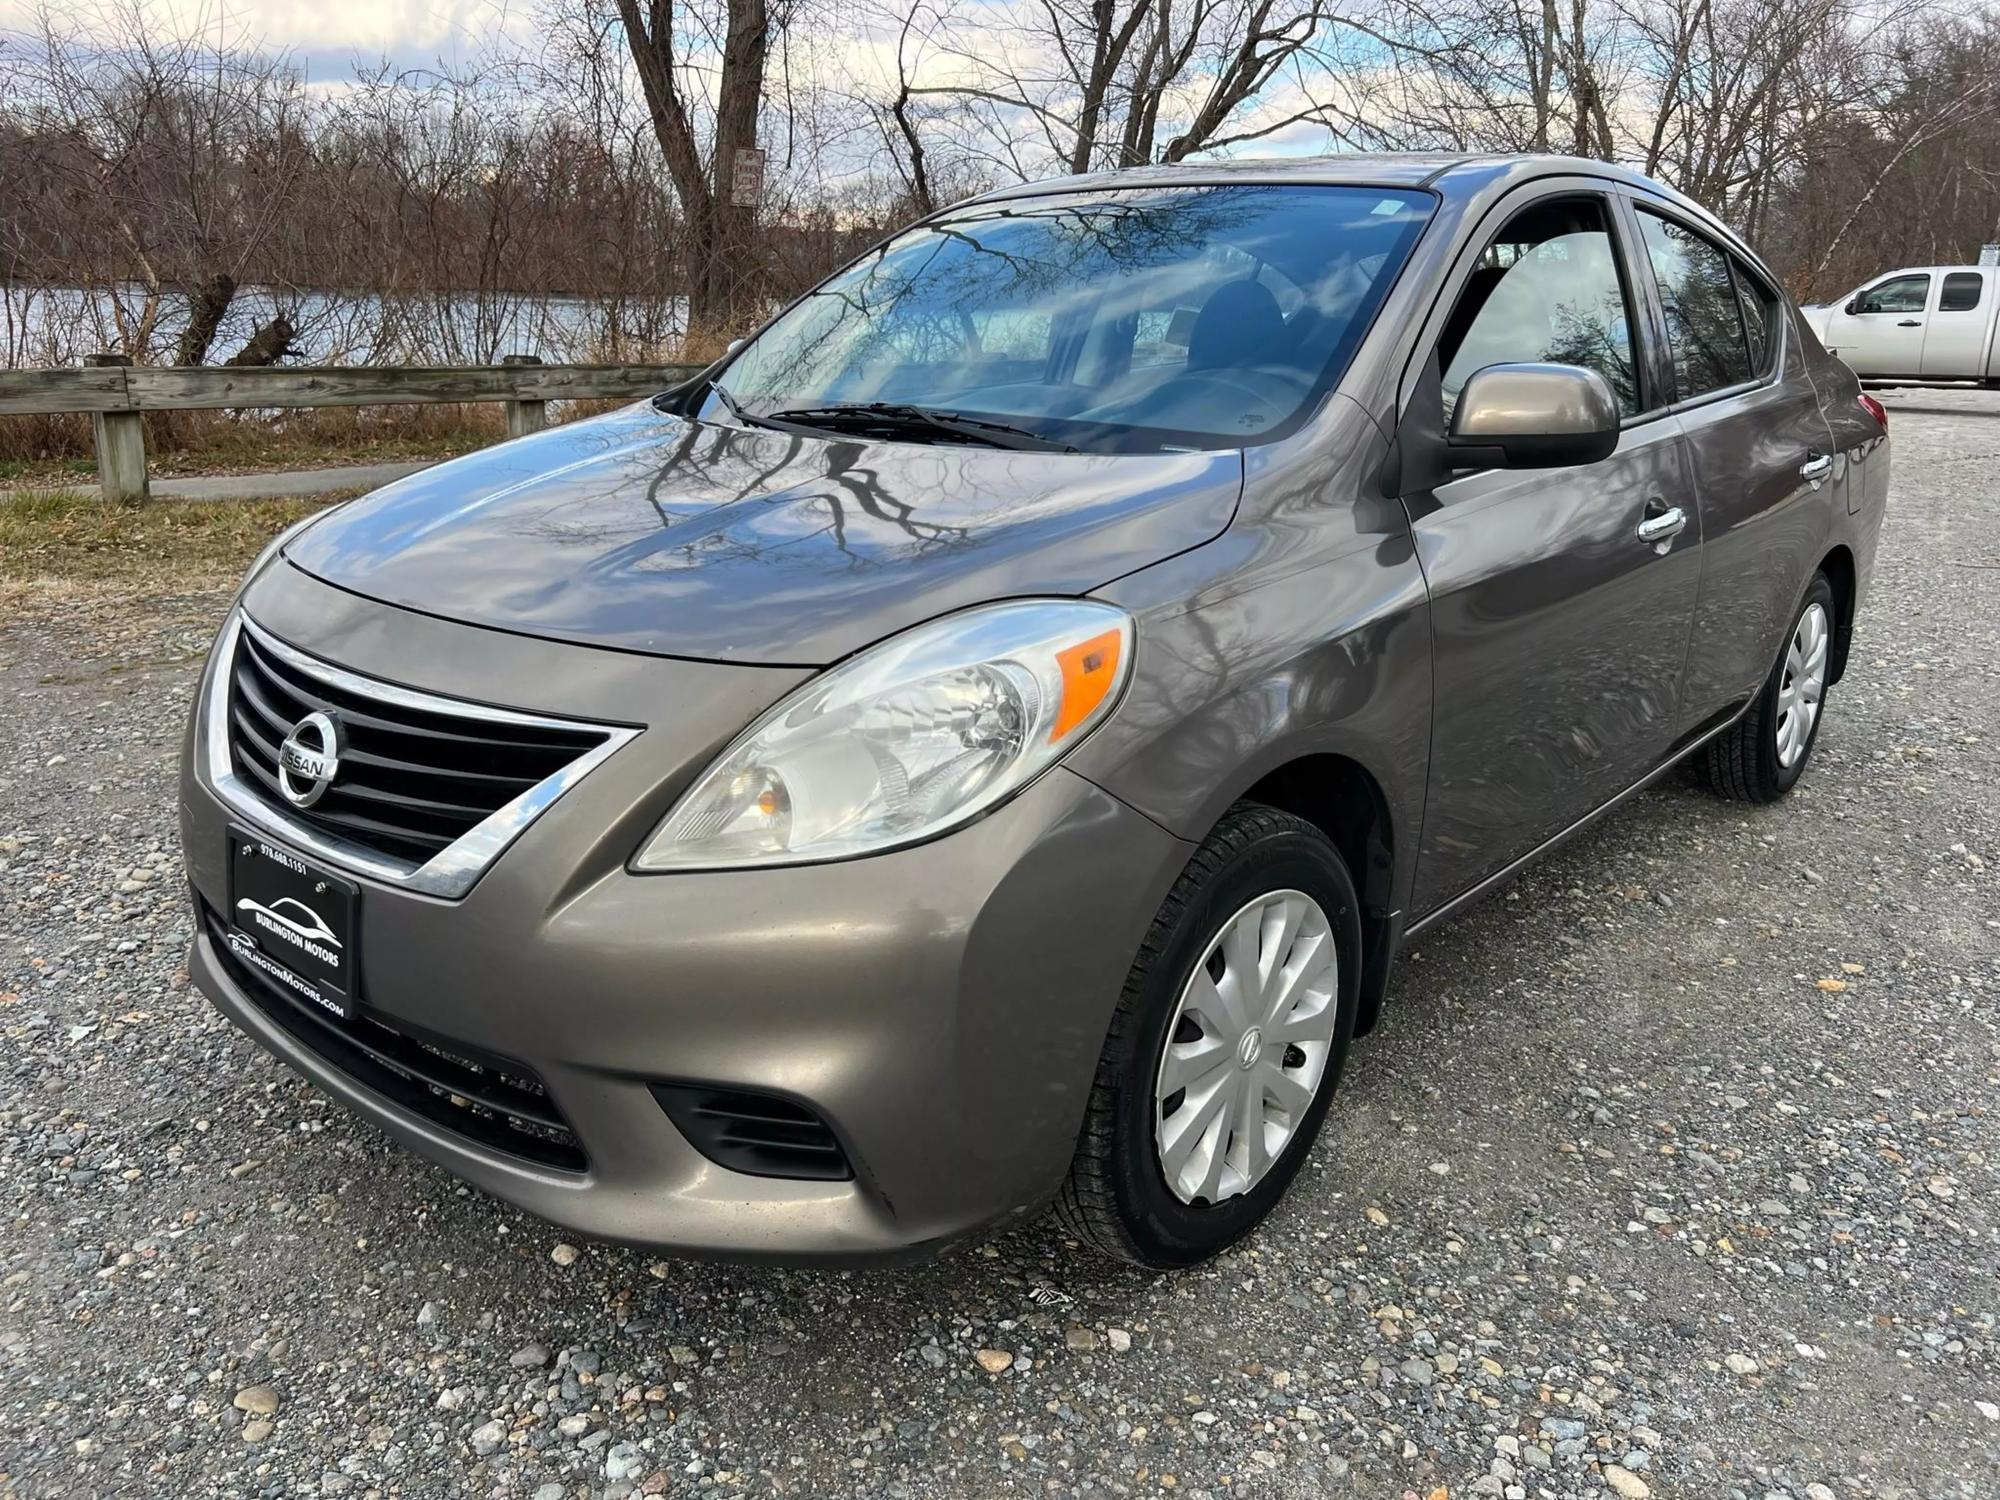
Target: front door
x,y
1880,330
1559,635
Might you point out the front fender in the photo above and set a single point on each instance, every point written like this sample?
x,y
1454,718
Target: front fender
x,y
1302,630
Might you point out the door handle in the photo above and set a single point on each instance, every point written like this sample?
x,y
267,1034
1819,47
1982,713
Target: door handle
x,y
1662,525
1816,467
1911,323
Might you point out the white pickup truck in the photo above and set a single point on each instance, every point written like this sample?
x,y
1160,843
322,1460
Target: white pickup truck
x,y
1924,323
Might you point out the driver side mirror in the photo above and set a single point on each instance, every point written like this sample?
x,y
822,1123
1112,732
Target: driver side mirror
x,y
1853,306
1533,416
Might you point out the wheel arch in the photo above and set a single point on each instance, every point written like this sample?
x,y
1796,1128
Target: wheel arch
x,y
1838,566
1346,801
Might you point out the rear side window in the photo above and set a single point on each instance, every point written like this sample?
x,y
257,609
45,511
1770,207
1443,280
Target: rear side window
x,y
1704,318
1760,315
1960,292
1545,291
1901,294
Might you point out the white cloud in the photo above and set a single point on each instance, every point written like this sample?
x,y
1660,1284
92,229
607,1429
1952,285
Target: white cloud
x,y
363,27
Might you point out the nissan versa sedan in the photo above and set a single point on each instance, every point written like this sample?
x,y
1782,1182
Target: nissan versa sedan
x,y
983,743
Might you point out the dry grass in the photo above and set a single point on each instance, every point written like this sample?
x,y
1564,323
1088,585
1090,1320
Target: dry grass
x,y
58,543
54,451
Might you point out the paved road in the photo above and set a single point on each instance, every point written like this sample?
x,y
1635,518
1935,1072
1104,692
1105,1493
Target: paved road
x,y
282,485
292,482
1673,1170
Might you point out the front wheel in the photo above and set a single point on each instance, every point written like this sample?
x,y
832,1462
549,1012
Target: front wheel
x,y
1759,757
1225,1048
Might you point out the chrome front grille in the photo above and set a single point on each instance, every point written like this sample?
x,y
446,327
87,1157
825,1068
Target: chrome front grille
x,y
412,781
429,789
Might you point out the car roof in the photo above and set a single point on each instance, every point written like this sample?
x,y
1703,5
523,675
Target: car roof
x,y
1445,171
1925,271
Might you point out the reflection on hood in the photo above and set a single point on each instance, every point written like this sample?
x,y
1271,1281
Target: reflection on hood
x,y
650,532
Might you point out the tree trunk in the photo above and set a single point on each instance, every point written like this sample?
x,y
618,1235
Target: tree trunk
x,y
719,255
733,280
1107,57
268,344
208,304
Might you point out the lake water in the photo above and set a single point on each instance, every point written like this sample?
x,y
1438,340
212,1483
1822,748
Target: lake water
x,y
58,326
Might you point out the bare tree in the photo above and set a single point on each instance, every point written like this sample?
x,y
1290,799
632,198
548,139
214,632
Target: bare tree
x,y
164,163
182,195
704,171
1077,85
1499,75
1227,54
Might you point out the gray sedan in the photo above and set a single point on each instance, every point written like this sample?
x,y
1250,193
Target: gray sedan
x,y
984,742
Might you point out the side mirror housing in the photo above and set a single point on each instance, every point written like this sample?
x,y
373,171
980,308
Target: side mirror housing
x,y
1852,306
733,345
1532,416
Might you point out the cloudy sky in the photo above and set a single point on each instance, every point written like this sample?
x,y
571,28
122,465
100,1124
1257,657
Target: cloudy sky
x,y
328,38
326,35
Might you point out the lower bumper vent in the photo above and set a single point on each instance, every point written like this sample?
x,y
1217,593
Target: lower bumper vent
x,y
761,1135
494,1101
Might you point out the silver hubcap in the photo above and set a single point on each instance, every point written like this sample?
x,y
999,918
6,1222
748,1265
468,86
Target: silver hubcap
x,y
1804,685
1247,1048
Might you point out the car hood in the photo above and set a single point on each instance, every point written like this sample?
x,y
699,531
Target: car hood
x,y
651,532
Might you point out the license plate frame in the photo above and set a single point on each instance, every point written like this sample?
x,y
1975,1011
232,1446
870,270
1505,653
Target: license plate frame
x,y
295,921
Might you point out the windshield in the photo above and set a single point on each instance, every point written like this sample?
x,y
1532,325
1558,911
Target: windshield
x,y
1125,321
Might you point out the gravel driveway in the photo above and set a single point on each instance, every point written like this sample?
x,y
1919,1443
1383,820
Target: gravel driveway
x,y
1670,1171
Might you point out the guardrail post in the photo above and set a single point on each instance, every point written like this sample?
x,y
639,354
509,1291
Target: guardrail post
x,y
524,415
121,444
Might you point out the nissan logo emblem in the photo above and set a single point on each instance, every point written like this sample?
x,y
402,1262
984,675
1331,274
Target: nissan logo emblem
x,y
309,759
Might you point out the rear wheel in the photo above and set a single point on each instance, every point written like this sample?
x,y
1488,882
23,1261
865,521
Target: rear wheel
x,y
1760,757
1225,1048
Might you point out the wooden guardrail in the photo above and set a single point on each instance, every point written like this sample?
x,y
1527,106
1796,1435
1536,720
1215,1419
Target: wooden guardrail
x,y
117,394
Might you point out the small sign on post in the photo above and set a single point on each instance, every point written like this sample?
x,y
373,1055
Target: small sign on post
x,y
1989,255
746,177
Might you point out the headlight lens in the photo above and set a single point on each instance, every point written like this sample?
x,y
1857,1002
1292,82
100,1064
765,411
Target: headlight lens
x,y
908,739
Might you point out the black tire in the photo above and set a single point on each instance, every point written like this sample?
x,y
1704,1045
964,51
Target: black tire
x,y
1116,1199
1741,764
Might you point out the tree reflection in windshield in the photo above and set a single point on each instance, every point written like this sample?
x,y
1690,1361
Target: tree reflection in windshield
x,y
1114,321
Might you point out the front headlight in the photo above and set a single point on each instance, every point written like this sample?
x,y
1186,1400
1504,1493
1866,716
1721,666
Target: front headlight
x,y
905,741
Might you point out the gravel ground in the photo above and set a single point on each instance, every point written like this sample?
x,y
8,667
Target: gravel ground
x,y
1671,1171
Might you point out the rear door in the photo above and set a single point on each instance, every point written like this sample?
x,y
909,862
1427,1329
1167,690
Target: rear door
x,y
1958,325
1761,452
1884,333
1559,633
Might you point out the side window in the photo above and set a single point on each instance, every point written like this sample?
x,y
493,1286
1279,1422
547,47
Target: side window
x,y
1760,315
1704,319
1901,294
1545,291
1960,292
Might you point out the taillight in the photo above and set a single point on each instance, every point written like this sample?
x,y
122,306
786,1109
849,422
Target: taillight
x,y
1876,410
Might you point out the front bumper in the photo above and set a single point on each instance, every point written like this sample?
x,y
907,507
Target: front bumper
x,y
941,1007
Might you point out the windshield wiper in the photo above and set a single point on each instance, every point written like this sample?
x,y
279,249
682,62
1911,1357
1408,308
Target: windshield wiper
x,y
737,410
734,407
902,417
